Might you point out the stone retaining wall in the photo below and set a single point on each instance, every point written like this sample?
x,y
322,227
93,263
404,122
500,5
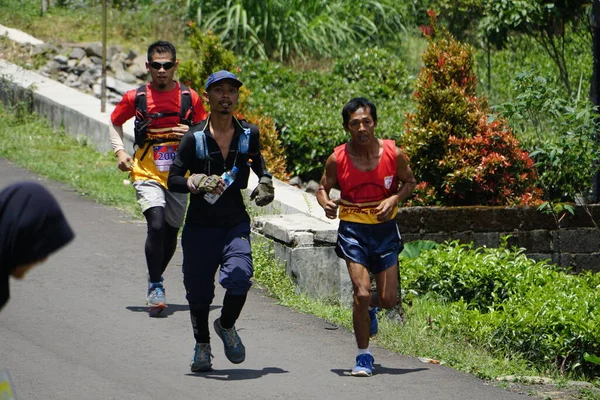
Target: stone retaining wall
x,y
574,242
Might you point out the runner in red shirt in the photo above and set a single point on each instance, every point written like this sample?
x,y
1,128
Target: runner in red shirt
x,y
170,115
373,177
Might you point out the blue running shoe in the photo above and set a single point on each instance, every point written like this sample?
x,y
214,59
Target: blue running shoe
x,y
156,299
374,328
364,365
234,349
202,358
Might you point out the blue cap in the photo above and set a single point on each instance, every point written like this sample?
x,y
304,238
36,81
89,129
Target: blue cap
x,y
219,76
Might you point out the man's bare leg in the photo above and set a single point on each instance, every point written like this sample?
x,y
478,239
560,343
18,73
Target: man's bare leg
x,y
361,285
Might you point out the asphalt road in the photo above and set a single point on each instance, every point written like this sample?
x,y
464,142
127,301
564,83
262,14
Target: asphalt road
x,y
77,328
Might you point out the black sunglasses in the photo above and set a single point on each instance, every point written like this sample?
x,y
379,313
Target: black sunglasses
x,y
166,65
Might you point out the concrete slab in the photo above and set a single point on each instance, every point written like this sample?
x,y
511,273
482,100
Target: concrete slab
x,y
18,36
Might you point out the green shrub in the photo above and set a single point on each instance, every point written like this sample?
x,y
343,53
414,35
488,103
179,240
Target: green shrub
x,y
211,56
560,133
522,54
208,55
462,156
381,73
306,105
510,303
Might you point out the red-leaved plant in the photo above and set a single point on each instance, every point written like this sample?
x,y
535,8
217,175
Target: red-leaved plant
x,y
459,151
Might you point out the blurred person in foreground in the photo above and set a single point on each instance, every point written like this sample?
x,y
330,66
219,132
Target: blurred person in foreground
x,y
217,236
32,226
373,177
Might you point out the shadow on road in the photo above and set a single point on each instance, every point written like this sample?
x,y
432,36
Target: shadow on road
x,y
170,310
381,370
238,374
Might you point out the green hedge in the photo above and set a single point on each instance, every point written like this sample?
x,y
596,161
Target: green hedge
x,y
511,303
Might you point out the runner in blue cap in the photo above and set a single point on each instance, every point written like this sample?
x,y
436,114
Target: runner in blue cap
x,y
218,235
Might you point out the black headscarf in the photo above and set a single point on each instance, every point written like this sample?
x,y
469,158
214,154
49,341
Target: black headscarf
x,y
32,226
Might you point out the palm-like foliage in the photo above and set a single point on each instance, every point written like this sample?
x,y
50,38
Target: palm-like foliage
x,y
284,29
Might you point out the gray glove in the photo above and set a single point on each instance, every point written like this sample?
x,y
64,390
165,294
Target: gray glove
x,y
197,183
264,193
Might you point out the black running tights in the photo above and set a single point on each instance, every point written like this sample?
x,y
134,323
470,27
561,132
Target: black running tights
x,y
161,242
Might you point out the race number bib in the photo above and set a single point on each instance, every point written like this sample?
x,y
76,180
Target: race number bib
x,y
164,156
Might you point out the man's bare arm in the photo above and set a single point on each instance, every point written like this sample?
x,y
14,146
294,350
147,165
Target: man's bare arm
x,y
405,176
407,183
328,181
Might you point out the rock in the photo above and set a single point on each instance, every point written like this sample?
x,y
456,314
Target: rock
x,y
94,50
295,181
61,59
77,53
125,76
96,60
79,65
312,186
88,78
44,48
138,67
97,90
131,55
85,64
72,81
51,67
118,86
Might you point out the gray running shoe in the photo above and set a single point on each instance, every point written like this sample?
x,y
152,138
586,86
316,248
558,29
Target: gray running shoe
x,y
156,299
202,358
234,349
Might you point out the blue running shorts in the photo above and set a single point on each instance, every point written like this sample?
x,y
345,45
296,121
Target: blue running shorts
x,y
376,246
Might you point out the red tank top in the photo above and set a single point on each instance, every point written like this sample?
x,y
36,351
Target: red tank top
x,y
361,192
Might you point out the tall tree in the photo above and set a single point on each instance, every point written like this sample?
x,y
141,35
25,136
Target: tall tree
x,y
548,22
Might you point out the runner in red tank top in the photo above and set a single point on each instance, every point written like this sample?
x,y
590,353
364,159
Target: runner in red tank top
x,y
373,176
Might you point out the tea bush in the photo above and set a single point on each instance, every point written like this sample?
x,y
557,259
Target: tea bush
x,y
510,303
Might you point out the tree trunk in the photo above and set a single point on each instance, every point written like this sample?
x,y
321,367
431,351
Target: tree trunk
x,y
44,7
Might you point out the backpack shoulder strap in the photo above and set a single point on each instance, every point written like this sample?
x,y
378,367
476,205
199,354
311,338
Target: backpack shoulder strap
x,y
186,108
141,121
141,104
244,140
201,146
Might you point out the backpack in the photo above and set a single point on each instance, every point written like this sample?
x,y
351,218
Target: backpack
x,y
143,119
202,147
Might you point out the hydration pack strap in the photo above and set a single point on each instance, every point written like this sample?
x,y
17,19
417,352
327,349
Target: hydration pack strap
x,y
202,147
143,118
